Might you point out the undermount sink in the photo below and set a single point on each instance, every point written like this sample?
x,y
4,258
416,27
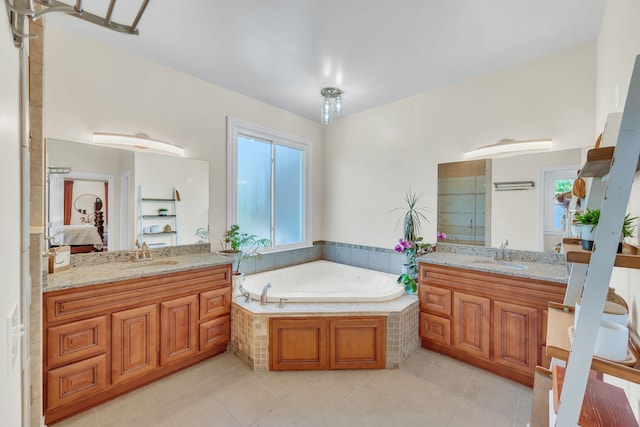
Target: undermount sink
x,y
140,264
500,263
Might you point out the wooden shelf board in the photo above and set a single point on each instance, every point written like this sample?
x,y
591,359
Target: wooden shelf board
x,y
629,258
598,163
558,322
159,233
158,216
542,384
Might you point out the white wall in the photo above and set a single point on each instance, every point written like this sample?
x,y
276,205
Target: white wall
x,y
618,45
10,391
517,215
372,158
89,87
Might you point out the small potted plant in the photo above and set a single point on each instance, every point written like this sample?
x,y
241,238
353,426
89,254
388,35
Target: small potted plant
x,y
589,221
240,246
163,211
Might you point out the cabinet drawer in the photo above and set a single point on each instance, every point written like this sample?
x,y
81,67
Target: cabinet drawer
x,y
76,381
215,303
76,340
435,328
214,332
435,300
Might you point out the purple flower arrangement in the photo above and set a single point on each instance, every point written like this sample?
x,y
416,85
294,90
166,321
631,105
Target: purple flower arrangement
x,y
414,250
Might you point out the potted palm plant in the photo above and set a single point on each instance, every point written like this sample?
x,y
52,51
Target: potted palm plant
x,y
240,246
589,221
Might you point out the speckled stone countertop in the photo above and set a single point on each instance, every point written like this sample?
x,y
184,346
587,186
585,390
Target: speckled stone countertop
x,y
83,275
539,265
328,308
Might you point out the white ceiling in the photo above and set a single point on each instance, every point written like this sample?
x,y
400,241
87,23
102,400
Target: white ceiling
x,y
283,52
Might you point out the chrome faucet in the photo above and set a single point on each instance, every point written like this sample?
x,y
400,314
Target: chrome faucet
x,y
263,296
245,294
503,249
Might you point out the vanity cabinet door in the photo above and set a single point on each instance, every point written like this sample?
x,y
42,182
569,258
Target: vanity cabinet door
x,y
357,343
178,329
472,324
515,336
134,343
297,344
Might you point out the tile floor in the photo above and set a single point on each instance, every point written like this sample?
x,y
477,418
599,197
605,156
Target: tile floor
x,y
428,390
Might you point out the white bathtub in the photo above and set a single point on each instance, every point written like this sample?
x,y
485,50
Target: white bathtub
x,y
324,281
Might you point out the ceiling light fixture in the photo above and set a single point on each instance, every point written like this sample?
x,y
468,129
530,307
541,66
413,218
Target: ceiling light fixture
x,y
509,147
137,143
332,103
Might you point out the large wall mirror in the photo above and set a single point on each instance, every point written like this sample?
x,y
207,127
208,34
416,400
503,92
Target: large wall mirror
x,y
528,218
105,199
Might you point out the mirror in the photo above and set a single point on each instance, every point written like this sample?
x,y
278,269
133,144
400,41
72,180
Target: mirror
x,y
517,216
124,195
87,204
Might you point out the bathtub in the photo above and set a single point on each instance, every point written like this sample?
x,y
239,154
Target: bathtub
x,y
324,281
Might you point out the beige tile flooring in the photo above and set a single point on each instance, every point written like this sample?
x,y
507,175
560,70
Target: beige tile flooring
x,y
429,389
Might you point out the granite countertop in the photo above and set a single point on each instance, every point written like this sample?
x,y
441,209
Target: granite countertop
x,y
552,272
79,276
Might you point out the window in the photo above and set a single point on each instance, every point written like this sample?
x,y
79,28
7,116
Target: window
x,y
268,184
557,196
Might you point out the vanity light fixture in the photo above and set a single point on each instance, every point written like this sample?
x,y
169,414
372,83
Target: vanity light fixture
x,y
136,143
509,147
332,103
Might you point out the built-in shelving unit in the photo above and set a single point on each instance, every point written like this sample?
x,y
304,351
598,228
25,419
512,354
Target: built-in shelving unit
x,y
146,217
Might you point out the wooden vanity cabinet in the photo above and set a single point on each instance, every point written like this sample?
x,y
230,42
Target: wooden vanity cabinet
x,y
493,321
104,340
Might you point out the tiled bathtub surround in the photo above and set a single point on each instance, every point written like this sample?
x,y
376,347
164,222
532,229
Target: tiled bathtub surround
x,y
275,260
250,325
379,259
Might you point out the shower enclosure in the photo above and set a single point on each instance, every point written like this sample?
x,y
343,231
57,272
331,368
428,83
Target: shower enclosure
x,y
464,204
